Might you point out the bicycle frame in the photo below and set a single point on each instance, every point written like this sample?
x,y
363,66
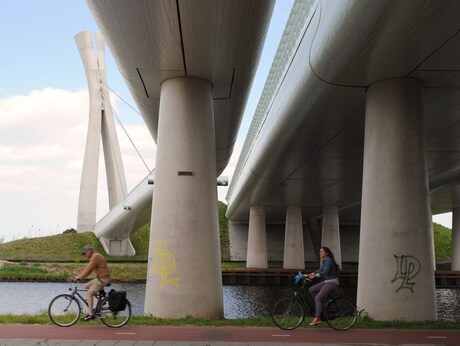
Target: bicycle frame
x,y
299,293
76,292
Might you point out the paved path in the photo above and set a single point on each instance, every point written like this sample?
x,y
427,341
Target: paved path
x,y
20,334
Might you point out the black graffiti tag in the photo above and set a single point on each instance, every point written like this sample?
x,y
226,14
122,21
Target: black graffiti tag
x,y
407,268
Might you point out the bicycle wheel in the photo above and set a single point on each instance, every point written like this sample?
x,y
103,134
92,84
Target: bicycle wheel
x,y
340,312
114,319
288,313
64,310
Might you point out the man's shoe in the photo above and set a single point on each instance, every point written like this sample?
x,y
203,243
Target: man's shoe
x,y
88,318
316,321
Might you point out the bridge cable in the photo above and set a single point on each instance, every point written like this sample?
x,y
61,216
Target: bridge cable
x,y
124,129
121,98
114,156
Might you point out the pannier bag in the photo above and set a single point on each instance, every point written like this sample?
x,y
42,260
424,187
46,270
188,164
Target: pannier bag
x,y
117,300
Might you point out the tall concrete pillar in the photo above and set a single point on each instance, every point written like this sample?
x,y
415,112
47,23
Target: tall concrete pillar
x,y
396,277
315,235
115,172
184,276
455,258
257,238
330,235
100,124
294,256
86,218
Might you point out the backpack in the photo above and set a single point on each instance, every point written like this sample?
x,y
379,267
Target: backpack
x,y
117,300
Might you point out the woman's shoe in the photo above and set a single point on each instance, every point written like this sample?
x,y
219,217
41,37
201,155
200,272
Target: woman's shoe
x,y
316,321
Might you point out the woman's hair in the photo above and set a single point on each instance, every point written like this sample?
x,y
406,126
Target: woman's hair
x,y
331,255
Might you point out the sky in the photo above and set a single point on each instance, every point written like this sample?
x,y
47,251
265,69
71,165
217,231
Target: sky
x,y
44,115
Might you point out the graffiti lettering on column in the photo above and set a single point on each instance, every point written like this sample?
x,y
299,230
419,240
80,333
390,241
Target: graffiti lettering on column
x,y
407,268
163,263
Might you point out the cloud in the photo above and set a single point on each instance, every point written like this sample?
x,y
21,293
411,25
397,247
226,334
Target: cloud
x,y
42,141
43,116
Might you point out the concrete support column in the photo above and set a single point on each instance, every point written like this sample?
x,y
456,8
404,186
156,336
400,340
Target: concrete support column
x,y
184,276
100,124
455,258
115,171
257,238
86,218
294,257
315,235
396,278
330,235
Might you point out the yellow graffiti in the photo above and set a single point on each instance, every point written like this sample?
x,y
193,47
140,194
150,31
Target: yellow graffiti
x,y
164,264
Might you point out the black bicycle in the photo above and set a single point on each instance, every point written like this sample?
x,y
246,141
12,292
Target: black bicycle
x,y
288,313
65,309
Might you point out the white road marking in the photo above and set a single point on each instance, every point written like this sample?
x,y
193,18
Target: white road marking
x,y
281,335
125,333
437,337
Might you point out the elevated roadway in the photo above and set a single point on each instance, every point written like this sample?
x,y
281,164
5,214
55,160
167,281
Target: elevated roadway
x,y
306,146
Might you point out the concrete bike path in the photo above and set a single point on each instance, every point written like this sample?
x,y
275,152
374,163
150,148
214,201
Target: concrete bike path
x,y
13,334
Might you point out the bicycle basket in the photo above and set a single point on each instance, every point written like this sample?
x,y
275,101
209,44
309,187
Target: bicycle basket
x,y
298,279
117,300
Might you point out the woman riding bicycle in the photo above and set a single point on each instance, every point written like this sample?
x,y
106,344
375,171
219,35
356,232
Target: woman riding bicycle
x,y
327,271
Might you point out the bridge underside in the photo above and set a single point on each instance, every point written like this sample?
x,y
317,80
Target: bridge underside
x,y
362,129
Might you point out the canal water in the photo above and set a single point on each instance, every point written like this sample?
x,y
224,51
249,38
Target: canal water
x,y
18,298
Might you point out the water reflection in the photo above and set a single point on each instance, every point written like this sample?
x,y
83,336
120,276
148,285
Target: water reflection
x,y
250,301
239,301
34,297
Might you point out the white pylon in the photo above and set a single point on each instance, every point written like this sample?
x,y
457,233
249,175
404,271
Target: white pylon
x,y
100,125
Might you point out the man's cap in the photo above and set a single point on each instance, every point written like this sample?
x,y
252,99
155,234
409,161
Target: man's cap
x,y
86,249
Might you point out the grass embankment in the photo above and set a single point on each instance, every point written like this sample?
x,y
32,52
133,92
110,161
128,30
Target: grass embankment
x,y
59,257
66,249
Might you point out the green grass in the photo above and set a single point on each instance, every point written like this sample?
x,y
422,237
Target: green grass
x,y
63,271
67,247
363,322
443,243
25,270
224,235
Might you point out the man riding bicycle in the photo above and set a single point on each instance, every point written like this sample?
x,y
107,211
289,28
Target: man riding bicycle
x,y
97,264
